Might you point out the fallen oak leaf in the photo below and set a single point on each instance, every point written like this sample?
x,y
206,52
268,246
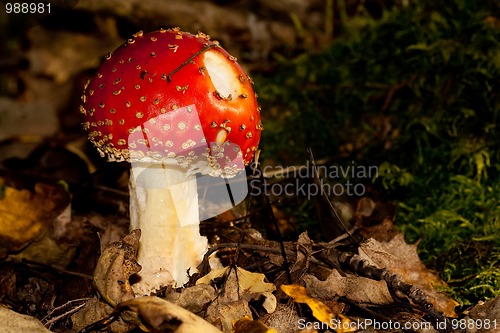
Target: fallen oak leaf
x,y
250,285
284,319
241,286
320,311
194,299
402,259
253,282
353,287
223,312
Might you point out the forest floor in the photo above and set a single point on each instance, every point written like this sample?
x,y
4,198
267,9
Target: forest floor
x,y
64,210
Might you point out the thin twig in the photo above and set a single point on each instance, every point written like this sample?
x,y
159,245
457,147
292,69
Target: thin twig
x,y
57,269
64,306
49,323
169,77
286,266
325,197
256,247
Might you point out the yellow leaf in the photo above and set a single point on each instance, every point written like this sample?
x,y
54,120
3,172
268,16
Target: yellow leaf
x,y
26,216
247,281
320,311
20,221
253,282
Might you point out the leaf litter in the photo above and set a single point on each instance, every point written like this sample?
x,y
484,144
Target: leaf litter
x,y
54,273
340,281
233,298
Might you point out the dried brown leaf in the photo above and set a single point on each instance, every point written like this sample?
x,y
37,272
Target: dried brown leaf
x,y
111,279
246,284
284,319
304,252
194,298
94,311
223,313
401,258
116,264
240,287
355,288
484,317
29,217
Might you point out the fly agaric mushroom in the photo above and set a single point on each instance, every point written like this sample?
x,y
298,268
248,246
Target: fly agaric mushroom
x,y
173,104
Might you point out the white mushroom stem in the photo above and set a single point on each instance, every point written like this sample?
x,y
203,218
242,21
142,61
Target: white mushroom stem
x,y
164,205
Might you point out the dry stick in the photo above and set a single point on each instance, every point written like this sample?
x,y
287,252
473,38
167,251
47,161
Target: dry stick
x,y
55,268
238,248
364,268
278,233
255,247
169,77
286,266
242,234
50,322
63,307
324,195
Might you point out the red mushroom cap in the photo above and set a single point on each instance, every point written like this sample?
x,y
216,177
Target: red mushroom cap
x,y
171,95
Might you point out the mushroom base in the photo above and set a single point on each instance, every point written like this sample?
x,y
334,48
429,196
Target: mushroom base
x,y
164,205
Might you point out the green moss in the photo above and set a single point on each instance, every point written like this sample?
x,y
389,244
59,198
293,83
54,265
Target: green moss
x,y
416,93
